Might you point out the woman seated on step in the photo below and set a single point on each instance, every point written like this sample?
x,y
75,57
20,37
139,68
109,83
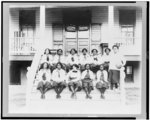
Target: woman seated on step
x,y
47,56
44,75
59,57
72,59
59,79
102,83
96,59
74,80
87,81
84,59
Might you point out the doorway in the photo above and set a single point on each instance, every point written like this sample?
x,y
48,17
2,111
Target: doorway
x,y
77,29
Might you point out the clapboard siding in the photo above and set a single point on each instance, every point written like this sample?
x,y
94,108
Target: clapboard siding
x,y
100,15
14,21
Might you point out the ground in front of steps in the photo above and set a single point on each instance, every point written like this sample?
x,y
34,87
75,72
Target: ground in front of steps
x,y
17,103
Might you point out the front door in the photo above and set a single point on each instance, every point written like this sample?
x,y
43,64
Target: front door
x,y
78,37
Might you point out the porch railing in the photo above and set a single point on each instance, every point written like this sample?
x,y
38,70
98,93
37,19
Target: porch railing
x,y
22,45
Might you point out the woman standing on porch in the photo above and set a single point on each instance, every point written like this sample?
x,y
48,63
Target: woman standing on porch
x,y
102,83
87,81
44,75
59,79
117,61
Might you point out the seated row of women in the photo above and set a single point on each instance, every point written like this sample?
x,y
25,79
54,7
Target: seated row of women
x,y
59,79
67,61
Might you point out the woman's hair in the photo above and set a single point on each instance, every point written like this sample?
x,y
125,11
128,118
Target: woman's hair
x,y
75,66
115,46
93,50
59,50
42,65
84,49
107,49
87,64
74,50
59,64
48,50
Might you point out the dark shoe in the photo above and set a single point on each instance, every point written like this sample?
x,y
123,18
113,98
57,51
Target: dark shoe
x,y
86,97
72,95
43,96
57,96
89,96
102,97
75,96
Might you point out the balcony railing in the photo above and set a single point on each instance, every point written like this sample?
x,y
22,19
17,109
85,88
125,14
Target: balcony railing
x,y
22,45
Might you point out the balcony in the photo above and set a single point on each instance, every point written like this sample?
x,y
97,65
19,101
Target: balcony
x,y
22,48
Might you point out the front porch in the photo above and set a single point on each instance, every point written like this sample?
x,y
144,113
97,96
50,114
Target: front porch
x,y
104,25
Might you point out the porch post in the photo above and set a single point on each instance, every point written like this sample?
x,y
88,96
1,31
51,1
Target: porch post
x,y
42,41
110,25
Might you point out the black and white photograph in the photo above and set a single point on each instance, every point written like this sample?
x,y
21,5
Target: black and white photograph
x,y
75,58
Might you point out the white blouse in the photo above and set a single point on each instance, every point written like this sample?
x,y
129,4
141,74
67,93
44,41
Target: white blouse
x,y
58,75
99,73
84,73
58,58
73,76
47,76
44,59
84,59
116,59
72,59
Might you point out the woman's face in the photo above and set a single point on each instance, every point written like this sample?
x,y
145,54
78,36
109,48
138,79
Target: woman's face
x,y
87,66
59,66
72,51
94,52
84,52
74,68
59,52
101,67
45,65
115,49
107,51
47,51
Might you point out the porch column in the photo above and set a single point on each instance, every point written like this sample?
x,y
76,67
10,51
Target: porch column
x,y
110,25
42,41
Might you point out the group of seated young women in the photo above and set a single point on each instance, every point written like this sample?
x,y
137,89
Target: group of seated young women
x,y
75,72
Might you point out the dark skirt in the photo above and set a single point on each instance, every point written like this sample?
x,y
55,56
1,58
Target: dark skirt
x,y
87,84
59,84
102,85
43,85
75,85
114,76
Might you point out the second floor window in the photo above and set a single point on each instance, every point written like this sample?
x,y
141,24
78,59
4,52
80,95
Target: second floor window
x,y
127,24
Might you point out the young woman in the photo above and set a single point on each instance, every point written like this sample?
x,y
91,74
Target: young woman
x,y
102,83
59,79
87,78
72,58
44,75
47,56
74,80
59,57
117,61
84,59
95,60
106,58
